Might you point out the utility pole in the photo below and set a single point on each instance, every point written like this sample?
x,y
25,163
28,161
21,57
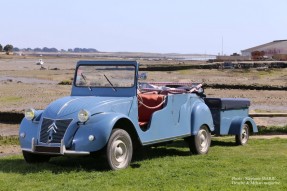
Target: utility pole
x,y
222,46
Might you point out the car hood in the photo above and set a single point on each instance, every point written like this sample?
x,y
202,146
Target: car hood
x,y
72,104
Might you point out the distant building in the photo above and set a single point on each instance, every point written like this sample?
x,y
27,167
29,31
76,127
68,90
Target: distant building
x,y
232,58
277,48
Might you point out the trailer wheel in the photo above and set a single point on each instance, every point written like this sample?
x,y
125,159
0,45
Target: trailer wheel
x,y
200,143
35,158
239,66
242,139
119,149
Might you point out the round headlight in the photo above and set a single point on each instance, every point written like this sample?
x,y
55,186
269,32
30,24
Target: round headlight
x,y
30,114
83,115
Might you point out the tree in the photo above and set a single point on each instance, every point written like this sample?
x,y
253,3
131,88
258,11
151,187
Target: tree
x,y
37,49
77,50
8,48
46,49
16,49
1,48
53,50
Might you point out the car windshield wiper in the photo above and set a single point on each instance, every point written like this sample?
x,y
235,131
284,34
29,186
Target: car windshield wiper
x,y
110,83
85,79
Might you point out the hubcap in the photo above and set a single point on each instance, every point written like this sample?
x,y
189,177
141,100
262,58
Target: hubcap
x,y
203,140
244,135
119,156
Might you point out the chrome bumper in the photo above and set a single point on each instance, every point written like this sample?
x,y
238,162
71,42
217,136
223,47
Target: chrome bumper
x,y
53,150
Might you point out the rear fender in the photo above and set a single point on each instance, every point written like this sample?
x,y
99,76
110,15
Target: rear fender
x,y
201,115
238,123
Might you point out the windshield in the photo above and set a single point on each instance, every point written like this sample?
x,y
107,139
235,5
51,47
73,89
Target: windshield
x,y
105,76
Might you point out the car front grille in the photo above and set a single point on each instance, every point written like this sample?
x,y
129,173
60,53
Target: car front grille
x,y
52,131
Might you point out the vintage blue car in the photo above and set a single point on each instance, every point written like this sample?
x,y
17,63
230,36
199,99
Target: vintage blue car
x,y
111,111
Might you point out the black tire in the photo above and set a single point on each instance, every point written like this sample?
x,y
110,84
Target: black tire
x,y
119,150
200,143
242,139
35,158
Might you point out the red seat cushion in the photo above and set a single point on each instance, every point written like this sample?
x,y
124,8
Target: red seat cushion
x,y
154,103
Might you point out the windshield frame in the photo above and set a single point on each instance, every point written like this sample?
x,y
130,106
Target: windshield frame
x,y
132,67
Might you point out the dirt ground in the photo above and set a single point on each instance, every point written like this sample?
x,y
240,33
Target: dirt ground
x,y
24,85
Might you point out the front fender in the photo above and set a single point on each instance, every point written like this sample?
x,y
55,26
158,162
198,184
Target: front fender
x,y
237,125
100,126
201,115
28,129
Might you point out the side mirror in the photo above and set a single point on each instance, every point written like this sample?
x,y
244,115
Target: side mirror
x,y
142,76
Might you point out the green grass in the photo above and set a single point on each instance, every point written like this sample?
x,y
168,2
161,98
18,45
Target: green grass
x,y
65,82
11,99
9,140
262,130
161,168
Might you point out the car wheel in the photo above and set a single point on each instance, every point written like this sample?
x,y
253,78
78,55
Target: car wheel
x,y
200,143
119,149
242,139
35,158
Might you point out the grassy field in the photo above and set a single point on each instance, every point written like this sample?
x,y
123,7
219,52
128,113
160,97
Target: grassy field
x,y
9,140
259,165
272,130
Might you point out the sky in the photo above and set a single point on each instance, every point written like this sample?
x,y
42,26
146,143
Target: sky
x,y
159,26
